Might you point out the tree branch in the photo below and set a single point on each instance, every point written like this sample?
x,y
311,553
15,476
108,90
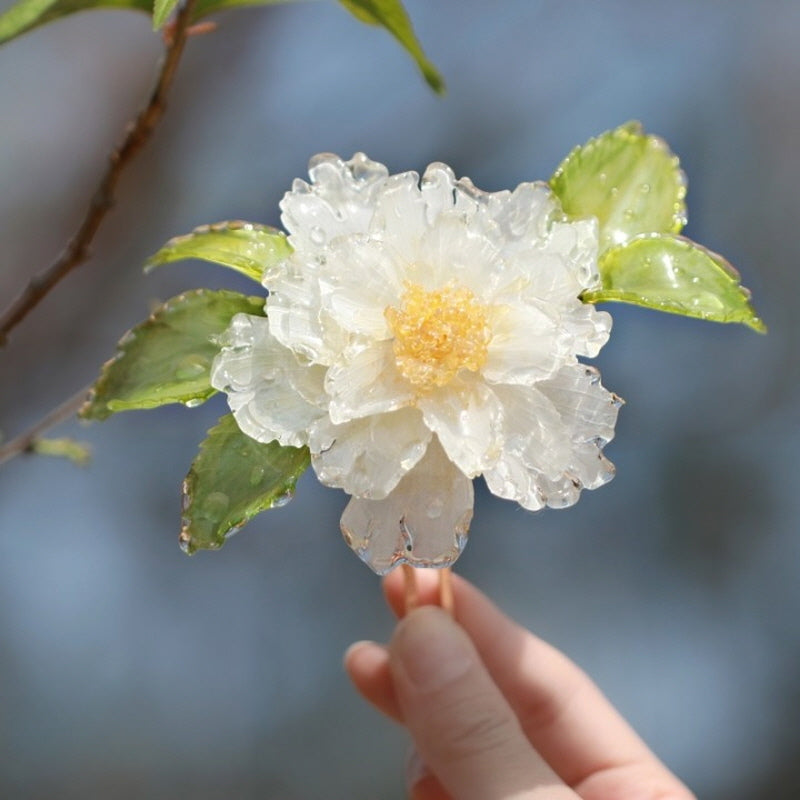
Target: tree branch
x,y
139,133
24,443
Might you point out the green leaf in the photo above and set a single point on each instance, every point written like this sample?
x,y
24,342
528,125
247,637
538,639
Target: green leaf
x,y
244,246
232,479
391,15
670,273
76,452
28,14
629,180
161,11
167,358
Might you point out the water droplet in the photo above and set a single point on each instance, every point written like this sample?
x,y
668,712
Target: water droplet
x,y
435,508
193,402
644,188
216,504
282,499
185,542
192,366
317,235
256,475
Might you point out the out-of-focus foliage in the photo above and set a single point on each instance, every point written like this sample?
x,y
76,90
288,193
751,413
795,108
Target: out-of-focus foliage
x,y
389,14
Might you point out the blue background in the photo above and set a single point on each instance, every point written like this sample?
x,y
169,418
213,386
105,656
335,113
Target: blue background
x,y
130,670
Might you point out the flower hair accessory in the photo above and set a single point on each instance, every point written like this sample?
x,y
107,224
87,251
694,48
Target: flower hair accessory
x,y
417,334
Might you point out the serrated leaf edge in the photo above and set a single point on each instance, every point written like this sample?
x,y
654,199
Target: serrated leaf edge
x,y
613,295
184,537
628,130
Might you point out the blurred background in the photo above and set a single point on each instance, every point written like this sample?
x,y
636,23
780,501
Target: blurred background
x,y
132,671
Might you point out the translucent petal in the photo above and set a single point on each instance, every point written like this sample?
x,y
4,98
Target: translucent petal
x,y
467,417
512,480
451,251
589,329
293,311
259,375
562,455
360,280
423,522
400,215
577,244
367,457
534,430
437,187
586,407
365,381
525,213
339,201
526,345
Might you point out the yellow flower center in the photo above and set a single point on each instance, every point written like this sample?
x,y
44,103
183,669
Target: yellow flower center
x,y
438,333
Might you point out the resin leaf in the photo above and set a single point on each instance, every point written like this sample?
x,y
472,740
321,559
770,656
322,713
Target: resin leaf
x,y
161,11
670,273
247,247
28,14
630,181
167,358
232,479
391,14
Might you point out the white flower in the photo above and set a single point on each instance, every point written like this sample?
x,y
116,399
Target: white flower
x,y
422,334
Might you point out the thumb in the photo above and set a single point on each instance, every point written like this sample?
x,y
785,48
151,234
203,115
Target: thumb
x,y
463,727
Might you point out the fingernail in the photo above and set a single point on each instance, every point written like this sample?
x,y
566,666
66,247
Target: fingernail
x,y
431,648
357,646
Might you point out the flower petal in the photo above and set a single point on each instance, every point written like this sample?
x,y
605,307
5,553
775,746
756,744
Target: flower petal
x,y
359,281
562,456
260,376
524,215
295,317
339,201
367,457
451,251
437,186
526,346
400,215
365,381
467,417
587,408
423,522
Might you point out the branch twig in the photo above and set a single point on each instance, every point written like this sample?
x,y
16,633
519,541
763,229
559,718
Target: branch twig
x,y
25,441
139,133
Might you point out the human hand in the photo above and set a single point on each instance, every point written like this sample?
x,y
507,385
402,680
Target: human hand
x,y
496,713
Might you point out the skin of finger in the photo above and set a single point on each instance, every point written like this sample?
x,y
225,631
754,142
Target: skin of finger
x,y
367,664
564,715
461,723
429,788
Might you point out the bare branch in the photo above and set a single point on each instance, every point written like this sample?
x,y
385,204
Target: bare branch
x,y
138,134
25,442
